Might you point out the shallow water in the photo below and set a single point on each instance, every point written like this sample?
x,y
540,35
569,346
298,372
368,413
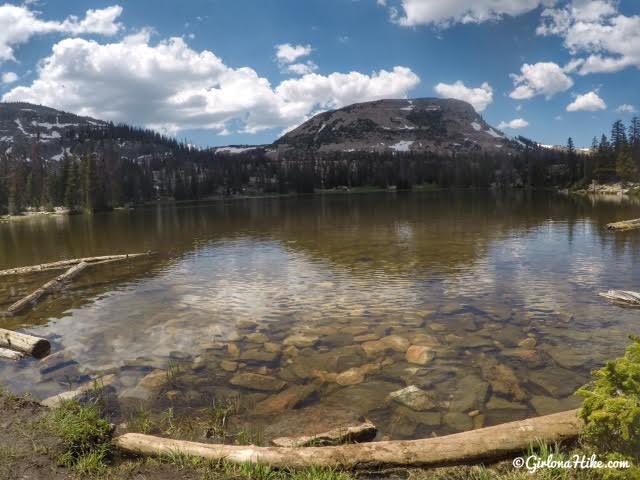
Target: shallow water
x,y
502,288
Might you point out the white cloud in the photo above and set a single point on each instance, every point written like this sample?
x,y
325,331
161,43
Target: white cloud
x,y
608,40
287,53
480,97
543,78
411,13
589,102
301,68
18,24
626,108
169,86
514,124
9,77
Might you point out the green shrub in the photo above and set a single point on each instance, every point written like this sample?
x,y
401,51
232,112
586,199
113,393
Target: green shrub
x,y
611,409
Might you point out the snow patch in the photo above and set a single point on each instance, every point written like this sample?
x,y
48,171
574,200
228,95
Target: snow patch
x,y
402,146
234,150
493,133
410,107
322,127
21,128
476,126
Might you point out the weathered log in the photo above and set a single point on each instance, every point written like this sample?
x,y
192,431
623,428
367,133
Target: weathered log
x,y
67,263
483,444
365,432
21,342
624,225
622,296
96,384
11,354
47,288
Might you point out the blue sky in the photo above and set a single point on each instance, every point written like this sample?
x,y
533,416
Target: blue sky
x,y
208,70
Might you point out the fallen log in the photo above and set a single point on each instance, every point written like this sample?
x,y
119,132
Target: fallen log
x,y
96,384
21,342
624,225
67,263
10,354
476,445
47,288
622,296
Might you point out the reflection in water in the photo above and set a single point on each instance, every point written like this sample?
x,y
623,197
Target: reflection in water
x,y
330,291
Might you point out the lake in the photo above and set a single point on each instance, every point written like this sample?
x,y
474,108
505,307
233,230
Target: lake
x,y
486,302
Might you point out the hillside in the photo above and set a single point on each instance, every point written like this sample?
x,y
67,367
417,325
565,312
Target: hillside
x,y
441,126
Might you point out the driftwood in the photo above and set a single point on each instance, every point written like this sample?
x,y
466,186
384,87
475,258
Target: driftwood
x,y
67,263
20,342
622,296
364,432
96,384
624,225
47,288
476,445
10,354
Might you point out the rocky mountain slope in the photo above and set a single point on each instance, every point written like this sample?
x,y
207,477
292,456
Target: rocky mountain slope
x,y
23,125
442,126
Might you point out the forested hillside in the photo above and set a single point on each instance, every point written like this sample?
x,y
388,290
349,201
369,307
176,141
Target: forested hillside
x,y
85,164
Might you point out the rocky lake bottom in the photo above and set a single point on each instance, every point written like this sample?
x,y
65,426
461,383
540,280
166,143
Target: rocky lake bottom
x,y
425,315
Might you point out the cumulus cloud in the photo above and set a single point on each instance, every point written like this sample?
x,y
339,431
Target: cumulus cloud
x,y
287,53
9,77
18,24
589,102
301,68
543,78
606,40
169,86
411,13
480,97
626,108
514,124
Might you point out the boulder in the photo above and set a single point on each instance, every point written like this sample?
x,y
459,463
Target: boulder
x,y
300,340
420,355
255,381
285,400
414,398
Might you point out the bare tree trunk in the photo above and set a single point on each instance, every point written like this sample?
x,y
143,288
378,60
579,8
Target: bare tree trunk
x,y
20,342
10,354
67,263
624,225
33,298
476,445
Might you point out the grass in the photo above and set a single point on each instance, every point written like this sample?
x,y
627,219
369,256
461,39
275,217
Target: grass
x,y
85,436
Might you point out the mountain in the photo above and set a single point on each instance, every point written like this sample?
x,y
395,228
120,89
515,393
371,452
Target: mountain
x,y
441,126
23,125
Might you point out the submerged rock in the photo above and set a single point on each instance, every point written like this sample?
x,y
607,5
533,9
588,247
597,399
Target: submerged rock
x,y
228,366
257,355
414,398
558,382
459,422
255,381
471,392
544,405
154,380
503,379
300,340
286,400
355,375
419,355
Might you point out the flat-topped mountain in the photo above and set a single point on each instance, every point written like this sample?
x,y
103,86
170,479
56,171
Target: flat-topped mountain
x,y
442,126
